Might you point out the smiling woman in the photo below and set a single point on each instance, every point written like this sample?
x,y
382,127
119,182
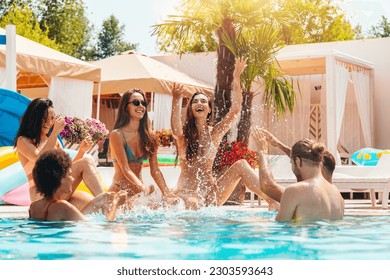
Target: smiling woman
x,y
197,145
38,132
131,142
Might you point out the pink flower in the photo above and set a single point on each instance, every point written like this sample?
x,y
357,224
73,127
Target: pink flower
x,y
76,130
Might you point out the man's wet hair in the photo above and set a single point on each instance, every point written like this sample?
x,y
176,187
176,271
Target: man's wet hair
x,y
329,162
309,150
50,168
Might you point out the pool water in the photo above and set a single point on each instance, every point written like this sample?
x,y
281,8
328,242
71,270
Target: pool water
x,y
208,234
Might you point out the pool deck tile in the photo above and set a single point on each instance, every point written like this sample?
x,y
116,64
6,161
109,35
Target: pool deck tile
x,y
356,207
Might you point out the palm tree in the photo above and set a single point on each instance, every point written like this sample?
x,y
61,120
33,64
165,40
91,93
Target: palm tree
x,y
260,45
235,28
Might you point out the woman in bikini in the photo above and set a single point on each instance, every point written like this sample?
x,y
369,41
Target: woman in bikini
x,y
197,145
38,132
131,142
53,180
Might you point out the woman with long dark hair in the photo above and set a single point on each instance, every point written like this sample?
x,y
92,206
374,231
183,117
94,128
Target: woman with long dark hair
x,y
38,132
197,145
131,142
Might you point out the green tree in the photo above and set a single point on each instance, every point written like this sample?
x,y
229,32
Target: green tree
x,y
110,39
8,5
66,23
311,21
381,30
27,25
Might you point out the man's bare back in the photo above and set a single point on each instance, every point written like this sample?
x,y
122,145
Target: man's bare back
x,y
312,197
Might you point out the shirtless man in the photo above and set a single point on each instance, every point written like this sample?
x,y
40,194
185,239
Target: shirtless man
x,y
312,197
54,181
328,161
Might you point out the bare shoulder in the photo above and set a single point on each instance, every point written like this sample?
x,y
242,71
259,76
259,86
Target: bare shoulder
x,y
23,141
298,186
64,210
60,205
115,136
114,133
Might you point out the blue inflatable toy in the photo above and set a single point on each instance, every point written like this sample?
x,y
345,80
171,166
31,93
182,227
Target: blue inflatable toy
x,y
12,107
368,156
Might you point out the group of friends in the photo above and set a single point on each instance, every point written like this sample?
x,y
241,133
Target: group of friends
x,y
54,177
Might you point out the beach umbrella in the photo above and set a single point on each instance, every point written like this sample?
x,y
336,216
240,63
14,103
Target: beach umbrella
x,y
133,70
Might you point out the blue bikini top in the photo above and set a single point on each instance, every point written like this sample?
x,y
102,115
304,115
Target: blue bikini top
x,y
129,154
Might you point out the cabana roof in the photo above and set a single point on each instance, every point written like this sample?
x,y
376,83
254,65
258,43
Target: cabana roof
x,y
36,63
295,63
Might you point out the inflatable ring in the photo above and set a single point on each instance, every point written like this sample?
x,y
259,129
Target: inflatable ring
x,y
8,156
83,187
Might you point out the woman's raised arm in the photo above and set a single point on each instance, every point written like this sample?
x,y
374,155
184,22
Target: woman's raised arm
x,y
31,152
177,128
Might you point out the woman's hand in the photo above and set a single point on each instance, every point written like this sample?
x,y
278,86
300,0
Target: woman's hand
x,y
177,90
270,137
171,198
86,144
260,140
59,124
239,67
148,190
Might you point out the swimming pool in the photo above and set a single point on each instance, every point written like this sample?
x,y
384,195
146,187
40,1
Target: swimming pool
x,y
209,234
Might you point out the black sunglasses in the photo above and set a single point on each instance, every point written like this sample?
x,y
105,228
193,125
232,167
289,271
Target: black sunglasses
x,y
137,103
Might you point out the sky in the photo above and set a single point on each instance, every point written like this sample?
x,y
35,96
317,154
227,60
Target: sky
x,y
139,15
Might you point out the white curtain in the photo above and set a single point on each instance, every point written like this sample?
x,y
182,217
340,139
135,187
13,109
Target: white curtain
x,y
162,111
71,97
2,77
361,84
351,136
341,83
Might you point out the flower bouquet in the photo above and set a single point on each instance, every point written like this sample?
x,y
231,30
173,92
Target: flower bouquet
x,y
165,137
97,130
76,130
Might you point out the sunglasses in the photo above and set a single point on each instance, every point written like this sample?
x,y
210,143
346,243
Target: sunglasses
x,y
137,103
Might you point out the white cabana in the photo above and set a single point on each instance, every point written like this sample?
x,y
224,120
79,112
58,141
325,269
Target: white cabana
x,y
69,79
339,69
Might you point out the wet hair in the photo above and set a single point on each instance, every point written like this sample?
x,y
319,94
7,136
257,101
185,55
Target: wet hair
x,y
148,137
329,162
33,119
50,168
308,149
189,128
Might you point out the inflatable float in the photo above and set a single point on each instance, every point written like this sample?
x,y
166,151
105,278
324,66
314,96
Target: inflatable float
x,y
8,156
14,188
368,156
12,107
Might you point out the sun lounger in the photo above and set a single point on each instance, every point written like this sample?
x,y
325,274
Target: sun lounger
x,y
374,179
